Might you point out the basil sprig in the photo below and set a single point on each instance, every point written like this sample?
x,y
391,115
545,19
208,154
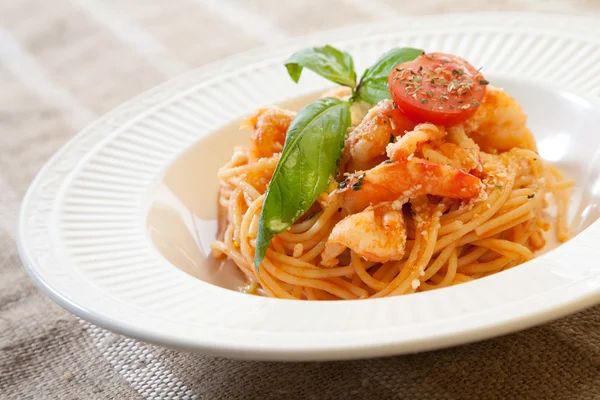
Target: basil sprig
x,y
338,67
329,62
373,87
312,148
315,138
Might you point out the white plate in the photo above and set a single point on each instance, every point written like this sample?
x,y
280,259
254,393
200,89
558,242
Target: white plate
x,y
84,240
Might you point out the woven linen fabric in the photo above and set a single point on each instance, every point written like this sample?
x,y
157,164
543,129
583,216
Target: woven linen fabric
x,y
63,63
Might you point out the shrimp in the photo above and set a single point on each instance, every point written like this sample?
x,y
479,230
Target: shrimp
x,y
409,143
404,179
453,155
427,139
365,145
269,126
377,234
499,123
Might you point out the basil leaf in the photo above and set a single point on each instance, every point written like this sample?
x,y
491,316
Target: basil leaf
x,y
309,158
327,61
373,87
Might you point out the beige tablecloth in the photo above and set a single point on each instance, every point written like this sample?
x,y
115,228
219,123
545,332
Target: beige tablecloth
x,y
62,63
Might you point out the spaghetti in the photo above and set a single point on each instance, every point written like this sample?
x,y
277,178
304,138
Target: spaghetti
x,y
448,242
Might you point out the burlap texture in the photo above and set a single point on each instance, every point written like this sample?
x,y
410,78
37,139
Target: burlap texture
x,y
62,63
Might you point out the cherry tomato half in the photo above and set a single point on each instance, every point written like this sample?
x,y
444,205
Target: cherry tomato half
x,y
439,88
